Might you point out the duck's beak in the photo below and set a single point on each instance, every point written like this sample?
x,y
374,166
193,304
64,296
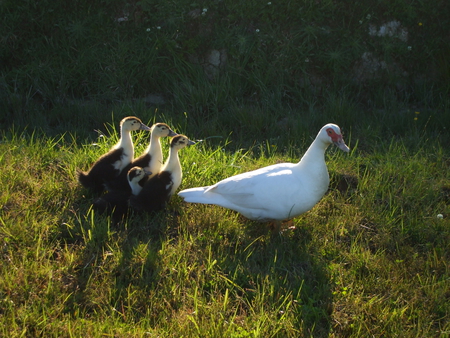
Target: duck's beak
x,y
147,172
144,127
172,133
190,143
341,144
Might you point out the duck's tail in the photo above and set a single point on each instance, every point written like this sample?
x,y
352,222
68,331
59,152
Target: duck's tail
x,y
84,179
194,195
88,182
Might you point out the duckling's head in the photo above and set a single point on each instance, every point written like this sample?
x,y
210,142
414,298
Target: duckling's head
x,y
331,133
162,130
180,141
131,123
136,174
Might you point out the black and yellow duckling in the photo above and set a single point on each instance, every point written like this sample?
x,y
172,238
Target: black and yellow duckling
x,y
158,189
151,159
109,165
116,202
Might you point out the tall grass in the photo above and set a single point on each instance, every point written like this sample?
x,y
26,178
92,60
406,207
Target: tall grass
x,y
275,55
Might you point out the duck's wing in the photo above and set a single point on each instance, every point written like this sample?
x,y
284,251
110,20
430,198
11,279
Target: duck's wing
x,y
253,190
142,161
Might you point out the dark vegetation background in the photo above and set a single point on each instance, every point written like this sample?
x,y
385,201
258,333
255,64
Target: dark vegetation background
x,y
253,68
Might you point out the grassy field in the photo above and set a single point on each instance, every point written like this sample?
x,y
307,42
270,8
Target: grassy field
x,y
371,259
254,81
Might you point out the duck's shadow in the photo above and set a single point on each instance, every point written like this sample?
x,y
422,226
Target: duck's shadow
x,y
293,266
285,268
124,252
256,262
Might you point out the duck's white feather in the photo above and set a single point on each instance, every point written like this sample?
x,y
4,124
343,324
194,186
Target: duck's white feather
x,y
277,192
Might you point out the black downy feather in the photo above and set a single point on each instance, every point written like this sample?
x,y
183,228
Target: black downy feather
x,y
116,202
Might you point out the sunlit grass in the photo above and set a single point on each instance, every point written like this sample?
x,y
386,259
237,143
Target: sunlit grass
x,y
370,259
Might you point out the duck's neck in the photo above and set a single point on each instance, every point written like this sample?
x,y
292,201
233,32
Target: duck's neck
x,y
154,149
135,188
314,158
173,162
126,143
313,167
174,167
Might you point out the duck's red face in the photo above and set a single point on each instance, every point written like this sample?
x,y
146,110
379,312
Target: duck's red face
x,y
337,139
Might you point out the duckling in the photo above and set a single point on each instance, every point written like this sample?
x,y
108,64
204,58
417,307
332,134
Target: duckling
x,y
117,201
151,159
158,189
109,165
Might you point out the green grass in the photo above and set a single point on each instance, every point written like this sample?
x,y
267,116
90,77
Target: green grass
x,y
371,259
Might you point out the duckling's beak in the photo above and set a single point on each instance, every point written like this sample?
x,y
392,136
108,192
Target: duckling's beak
x,y
341,144
172,133
144,127
190,143
147,172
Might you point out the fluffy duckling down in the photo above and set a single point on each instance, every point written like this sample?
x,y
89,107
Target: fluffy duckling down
x,y
158,189
151,159
116,202
109,165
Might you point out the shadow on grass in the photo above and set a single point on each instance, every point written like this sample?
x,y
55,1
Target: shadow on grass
x,y
294,268
128,271
276,281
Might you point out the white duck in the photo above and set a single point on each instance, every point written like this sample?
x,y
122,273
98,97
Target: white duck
x,y
109,165
277,192
151,159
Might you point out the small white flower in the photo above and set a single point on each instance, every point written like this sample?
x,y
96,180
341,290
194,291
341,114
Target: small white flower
x,y
440,216
269,3
368,16
409,47
257,30
205,10
360,22
306,60
148,29
159,27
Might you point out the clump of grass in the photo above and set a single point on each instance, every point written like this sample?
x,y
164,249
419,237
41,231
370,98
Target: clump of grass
x,y
371,260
